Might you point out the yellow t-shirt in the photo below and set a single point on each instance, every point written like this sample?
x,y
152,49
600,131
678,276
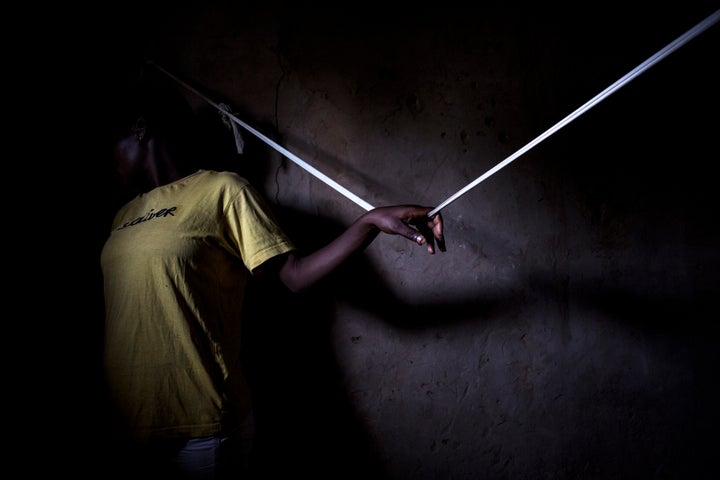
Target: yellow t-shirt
x,y
174,269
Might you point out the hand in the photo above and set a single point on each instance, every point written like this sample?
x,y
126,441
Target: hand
x,y
412,222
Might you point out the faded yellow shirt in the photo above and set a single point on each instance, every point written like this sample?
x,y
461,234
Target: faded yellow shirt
x,y
175,268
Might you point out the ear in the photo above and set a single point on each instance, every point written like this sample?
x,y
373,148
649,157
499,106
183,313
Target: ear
x,y
139,129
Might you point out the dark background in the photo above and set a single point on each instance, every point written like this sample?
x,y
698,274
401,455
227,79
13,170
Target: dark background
x,y
570,331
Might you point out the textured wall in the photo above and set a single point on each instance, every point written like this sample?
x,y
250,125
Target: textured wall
x,y
570,329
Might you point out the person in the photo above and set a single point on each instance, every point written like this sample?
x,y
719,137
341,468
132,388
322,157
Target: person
x,y
184,244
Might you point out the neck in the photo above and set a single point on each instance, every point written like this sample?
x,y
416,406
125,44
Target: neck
x,y
165,165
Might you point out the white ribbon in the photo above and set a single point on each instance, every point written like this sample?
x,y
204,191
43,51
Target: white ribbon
x,y
671,47
314,171
681,40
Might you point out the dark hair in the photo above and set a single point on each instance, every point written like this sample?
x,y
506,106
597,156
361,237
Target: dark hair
x,y
163,107
199,136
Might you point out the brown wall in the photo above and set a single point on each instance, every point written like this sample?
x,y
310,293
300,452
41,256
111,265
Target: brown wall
x,y
570,329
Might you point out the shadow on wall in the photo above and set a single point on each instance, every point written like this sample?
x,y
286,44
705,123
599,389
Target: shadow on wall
x,y
306,418
306,421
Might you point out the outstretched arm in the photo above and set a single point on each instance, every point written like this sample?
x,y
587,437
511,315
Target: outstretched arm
x,y
410,221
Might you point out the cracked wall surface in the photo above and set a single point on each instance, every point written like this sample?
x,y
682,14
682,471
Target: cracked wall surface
x,y
570,330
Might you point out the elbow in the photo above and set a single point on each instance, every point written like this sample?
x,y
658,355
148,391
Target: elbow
x,y
291,276
293,284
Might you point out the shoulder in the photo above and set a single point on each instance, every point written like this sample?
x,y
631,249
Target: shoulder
x,y
220,177
218,181
227,186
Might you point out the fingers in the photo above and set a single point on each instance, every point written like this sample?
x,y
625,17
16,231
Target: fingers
x,y
421,239
406,231
412,222
430,229
438,231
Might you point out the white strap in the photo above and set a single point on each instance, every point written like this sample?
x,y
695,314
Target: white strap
x,y
671,47
587,106
314,171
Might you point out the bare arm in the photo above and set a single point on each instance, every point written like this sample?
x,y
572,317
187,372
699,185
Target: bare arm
x,y
410,221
